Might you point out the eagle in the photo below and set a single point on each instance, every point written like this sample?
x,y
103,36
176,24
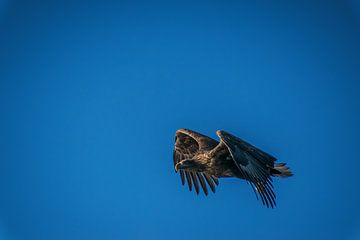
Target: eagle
x,y
201,160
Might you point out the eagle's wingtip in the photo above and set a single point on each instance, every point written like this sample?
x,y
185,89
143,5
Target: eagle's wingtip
x,y
219,132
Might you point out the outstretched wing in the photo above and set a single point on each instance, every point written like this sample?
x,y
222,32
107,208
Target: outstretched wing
x,y
253,164
187,144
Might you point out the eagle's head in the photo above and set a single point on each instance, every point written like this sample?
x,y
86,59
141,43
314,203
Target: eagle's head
x,y
189,164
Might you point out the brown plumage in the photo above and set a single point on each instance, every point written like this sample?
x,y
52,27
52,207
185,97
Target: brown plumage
x,y
201,160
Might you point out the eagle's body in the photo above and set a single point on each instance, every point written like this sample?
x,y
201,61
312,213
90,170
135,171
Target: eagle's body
x,y
201,159
219,166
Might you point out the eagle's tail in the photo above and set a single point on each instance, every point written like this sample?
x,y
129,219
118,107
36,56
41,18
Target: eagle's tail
x,y
281,170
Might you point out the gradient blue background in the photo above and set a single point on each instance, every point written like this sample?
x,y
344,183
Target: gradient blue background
x,y
92,93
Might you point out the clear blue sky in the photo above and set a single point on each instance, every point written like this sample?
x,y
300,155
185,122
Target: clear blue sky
x,y
92,93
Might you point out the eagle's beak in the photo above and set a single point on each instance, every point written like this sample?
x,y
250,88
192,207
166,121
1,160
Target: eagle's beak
x,y
178,166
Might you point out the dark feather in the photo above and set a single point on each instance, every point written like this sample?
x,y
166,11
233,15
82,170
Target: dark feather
x,y
216,181
188,177
202,182
196,182
182,177
210,182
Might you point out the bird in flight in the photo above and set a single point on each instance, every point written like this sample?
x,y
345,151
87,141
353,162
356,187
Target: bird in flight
x,y
200,159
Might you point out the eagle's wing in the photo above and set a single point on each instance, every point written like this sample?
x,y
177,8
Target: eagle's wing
x,y
253,164
187,144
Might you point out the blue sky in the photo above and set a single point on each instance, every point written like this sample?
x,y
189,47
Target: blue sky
x,y
92,94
